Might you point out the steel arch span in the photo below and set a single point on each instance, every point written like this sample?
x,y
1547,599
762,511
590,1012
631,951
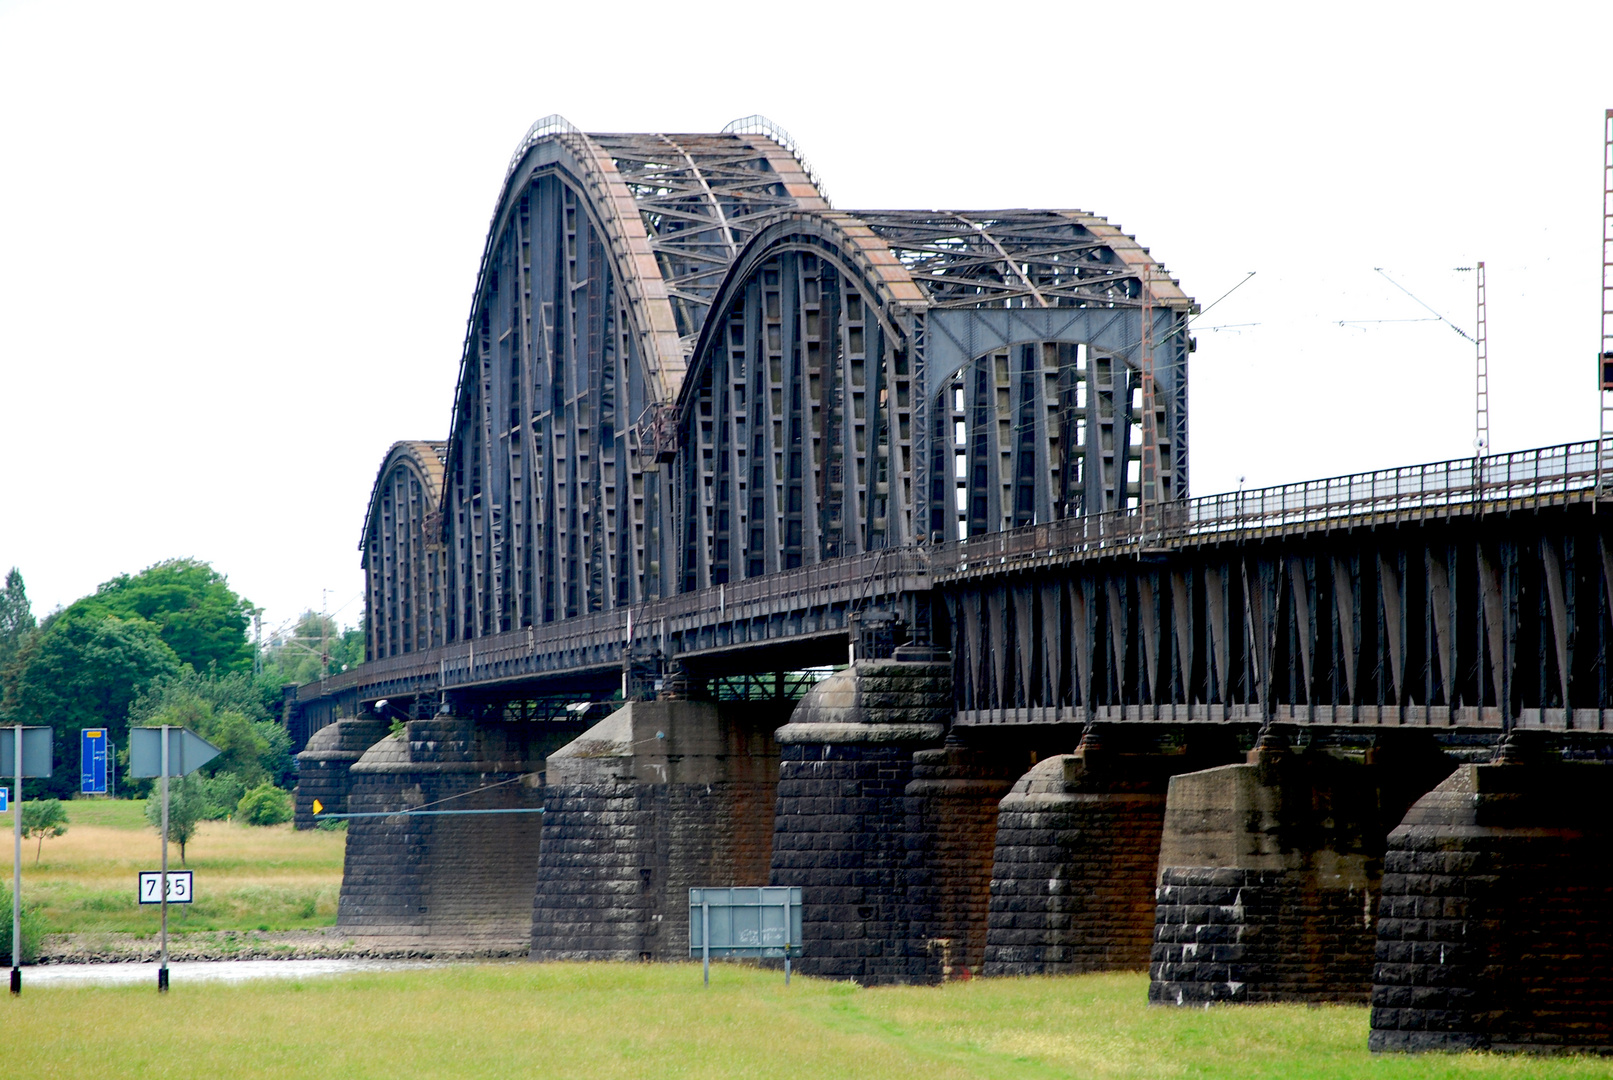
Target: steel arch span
x,y
682,368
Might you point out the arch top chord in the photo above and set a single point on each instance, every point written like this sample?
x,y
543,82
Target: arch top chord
x,y
424,458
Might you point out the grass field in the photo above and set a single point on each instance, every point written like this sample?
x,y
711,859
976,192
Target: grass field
x,y
246,877
606,1021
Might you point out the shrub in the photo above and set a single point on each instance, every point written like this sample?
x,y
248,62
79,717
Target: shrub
x,y
264,805
220,795
32,931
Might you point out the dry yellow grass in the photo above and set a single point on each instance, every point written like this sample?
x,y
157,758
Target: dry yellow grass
x,y
610,1021
246,877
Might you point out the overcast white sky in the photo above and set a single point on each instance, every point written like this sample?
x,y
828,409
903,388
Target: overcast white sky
x,y
238,241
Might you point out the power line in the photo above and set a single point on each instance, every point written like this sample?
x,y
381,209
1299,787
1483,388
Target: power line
x,y
1436,314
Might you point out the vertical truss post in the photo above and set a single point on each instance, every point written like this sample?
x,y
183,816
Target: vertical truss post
x,y
1605,353
1148,473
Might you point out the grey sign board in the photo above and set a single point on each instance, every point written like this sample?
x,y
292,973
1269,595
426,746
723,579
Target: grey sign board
x,y
746,921
37,743
187,751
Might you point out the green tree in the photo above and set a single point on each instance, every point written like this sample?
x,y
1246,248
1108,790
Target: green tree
x,y
43,818
190,604
81,671
16,618
228,712
186,806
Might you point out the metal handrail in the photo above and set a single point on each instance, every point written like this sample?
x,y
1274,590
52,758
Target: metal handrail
x,y
1550,471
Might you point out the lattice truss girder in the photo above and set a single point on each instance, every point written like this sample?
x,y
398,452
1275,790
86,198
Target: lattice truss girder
x,y
403,555
603,249
1441,625
799,421
798,426
621,268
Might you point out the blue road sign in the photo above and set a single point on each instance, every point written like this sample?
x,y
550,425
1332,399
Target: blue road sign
x,y
93,743
5,799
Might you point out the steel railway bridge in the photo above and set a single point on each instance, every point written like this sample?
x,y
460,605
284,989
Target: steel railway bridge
x,y
709,428
776,544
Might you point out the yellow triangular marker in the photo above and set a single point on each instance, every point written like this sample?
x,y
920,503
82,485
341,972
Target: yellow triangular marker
x,y
319,807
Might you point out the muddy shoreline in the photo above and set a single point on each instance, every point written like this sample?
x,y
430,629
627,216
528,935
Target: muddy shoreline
x,y
322,944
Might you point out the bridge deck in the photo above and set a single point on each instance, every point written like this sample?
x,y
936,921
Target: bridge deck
x,y
743,626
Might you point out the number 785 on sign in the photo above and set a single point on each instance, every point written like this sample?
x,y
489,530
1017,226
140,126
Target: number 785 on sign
x,y
179,890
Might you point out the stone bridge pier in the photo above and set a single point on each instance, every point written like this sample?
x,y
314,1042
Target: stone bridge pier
x,y
1076,848
658,797
448,883
1495,931
1270,871
323,767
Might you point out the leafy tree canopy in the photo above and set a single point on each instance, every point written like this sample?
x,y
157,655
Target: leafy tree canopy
x,y
41,819
192,607
187,805
16,617
81,671
227,712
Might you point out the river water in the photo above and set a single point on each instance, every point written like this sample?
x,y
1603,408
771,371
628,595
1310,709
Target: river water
x,y
193,971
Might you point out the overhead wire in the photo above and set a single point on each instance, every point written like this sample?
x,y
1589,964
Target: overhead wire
x,y
1413,295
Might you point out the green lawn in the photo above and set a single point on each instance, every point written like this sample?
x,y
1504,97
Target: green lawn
x,y
605,1021
246,877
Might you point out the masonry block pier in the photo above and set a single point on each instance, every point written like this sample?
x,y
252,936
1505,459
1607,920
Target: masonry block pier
x,y
1270,871
1496,924
655,799
951,806
446,884
1077,842
841,831
322,767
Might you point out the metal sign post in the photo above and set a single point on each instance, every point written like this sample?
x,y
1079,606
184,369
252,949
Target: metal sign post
x,y
156,752
27,753
16,871
162,970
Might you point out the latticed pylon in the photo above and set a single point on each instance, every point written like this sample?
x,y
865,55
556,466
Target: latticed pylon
x,y
1605,353
1148,496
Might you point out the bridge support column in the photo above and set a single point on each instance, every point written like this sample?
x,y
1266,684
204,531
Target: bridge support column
x,y
1072,878
952,826
841,830
322,767
445,884
655,799
1270,872
1496,925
